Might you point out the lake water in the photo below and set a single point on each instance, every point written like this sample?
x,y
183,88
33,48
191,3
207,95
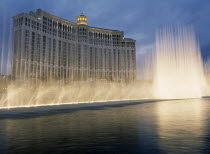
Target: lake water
x,y
178,126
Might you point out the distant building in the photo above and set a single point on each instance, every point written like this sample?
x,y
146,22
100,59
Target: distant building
x,y
48,47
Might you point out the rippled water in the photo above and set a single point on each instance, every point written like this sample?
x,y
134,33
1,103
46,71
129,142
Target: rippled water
x,y
179,126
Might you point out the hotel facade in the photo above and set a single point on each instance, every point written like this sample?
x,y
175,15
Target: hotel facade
x,y
46,47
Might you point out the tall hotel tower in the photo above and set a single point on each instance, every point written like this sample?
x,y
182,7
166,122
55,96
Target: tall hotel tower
x,y
46,47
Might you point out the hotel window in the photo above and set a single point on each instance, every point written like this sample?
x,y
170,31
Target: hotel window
x,y
37,25
59,53
26,21
64,54
19,22
43,48
49,51
26,43
59,26
68,53
38,47
32,46
54,50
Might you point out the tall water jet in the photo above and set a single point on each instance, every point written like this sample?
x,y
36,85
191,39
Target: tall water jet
x,y
207,74
207,66
178,65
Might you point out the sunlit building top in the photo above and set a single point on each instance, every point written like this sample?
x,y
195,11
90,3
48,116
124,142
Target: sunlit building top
x,y
82,20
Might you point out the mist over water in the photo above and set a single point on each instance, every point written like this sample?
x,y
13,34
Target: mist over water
x,y
27,95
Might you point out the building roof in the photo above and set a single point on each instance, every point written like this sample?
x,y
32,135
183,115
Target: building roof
x,y
59,18
105,29
40,10
129,39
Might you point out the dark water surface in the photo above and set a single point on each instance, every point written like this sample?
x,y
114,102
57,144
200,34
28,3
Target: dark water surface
x,y
179,126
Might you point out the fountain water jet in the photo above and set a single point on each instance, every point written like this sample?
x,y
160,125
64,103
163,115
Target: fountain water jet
x,y
178,65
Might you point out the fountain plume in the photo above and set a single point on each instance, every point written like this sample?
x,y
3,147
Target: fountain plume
x,y
178,65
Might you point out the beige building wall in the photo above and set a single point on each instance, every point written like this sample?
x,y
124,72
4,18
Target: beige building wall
x,y
46,47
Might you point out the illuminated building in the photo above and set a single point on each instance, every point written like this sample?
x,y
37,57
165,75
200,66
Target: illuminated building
x,y
48,47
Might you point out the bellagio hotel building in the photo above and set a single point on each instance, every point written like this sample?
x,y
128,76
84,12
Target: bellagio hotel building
x,y
47,47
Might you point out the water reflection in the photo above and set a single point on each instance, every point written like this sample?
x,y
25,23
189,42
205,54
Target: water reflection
x,y
170,126
181,125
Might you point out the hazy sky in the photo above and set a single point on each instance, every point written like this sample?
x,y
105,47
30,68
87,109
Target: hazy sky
x,y
137,18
